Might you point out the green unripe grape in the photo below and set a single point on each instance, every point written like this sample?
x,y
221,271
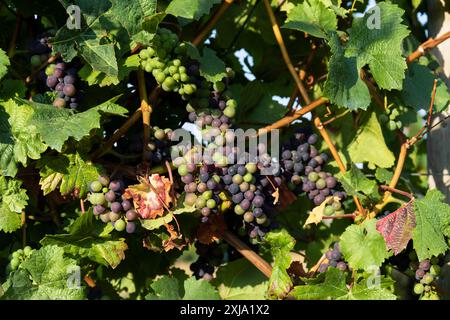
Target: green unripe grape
x,y
321,183
261,219
229,111
216,178
231,103
399,124
173,70
384,118
392,125
328,210
181,91
219,86
313,176
200,203
336,205
248,177
184,77
177,62
176,77
20,252
237,179
427,279
14,263
238,210
418,288
144,54
395,113
35,60
169,84
15,255
120,225
435,270
433,260
434,296
96,186
27,250
97,198
148,68
150,51
251,167
188,89
211,203
181,69
160,77
160,134
50,69
392,116
339,212
182,170
230,73
207,194
105,190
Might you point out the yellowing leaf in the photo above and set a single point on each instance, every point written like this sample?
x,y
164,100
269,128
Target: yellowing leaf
x,y
317,213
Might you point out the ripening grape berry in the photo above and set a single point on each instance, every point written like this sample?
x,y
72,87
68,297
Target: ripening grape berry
x,y
114,216
427,278
120,225
97,198
104,217
98,209
96,186
435,270
419,274
126,205
425,265
131,215
116,207
110,196
341,266
115,185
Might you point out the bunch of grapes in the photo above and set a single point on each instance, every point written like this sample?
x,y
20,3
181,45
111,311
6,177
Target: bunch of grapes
x,y
109,205
62,80
334,259
210,256
426,273
164,60
391,118
17,257
302,168
40,49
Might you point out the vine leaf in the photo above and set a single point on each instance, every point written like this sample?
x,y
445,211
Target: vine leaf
x,y
377,41
170,288
281,243
344,86
312,17
363,246
240,280
211,67
317,213
369,145
13,199
190,9
68,172
355,183
334,287
4,63
383,175
432,220
397,227
90,239
44,276
19,140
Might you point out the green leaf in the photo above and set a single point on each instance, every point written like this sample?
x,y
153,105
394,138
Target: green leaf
x,y
383,175
19,139
363,246
101,57
165,288
12,89
130,14
281,243
312,17
4,63
361,291
45,275
432,219
90,238
190,9
49,120
168,288
369,145
418,86
199,290
68,172
240,280
211,67
355,182
344,86
333,287
376,41
13,199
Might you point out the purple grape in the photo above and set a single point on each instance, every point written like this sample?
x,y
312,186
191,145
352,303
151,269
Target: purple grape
x,y
52,81
69,90
116,207
258,201
99,209
126,205
131,215
110,196
130,227
115,185
69,79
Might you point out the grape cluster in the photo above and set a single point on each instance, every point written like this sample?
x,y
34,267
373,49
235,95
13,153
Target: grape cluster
x,y
391,118
17,257
334,259
62,80
210,256
40,49
164,60
302,168
426,272
109,206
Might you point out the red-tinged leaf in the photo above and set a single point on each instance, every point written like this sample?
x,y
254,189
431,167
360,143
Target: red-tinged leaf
x,y
397,227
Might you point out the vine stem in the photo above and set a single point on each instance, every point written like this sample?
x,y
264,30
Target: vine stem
x,y
323,132
288,119
340,216
393,190
284,53
248,253
212,22
23,223
427,45
146,110
125,127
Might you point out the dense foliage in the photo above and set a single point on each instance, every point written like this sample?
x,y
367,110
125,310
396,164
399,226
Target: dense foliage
x,y
94,204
